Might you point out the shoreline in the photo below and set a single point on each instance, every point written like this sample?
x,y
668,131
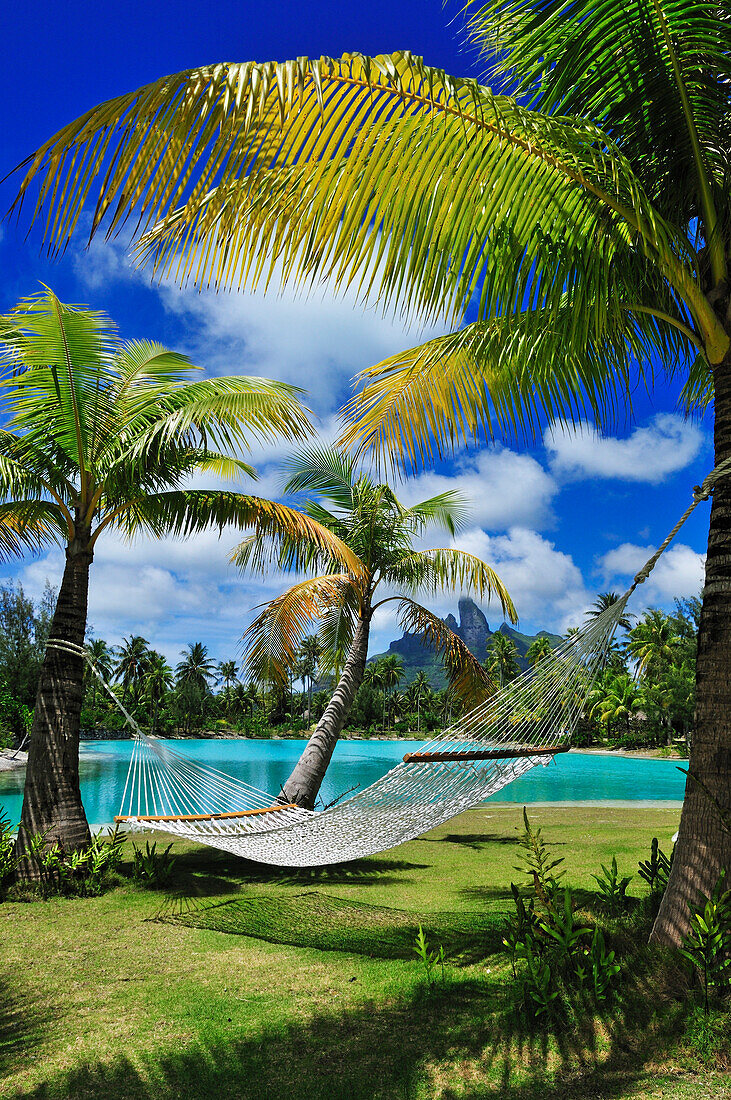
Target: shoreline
x,y
12,759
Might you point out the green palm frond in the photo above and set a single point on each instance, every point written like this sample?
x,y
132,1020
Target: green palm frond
x,y
324,470
453,570
274,638
653,73
30,525
449,509
467,678
499,378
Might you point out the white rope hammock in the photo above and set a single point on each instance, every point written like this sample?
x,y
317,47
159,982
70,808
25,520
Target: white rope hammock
x,y
526,723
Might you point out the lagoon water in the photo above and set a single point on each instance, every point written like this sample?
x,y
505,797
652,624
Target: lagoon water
x,y
266,764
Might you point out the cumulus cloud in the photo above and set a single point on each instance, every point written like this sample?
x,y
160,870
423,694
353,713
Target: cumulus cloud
x,y
504,489
680,571
668,444
545,583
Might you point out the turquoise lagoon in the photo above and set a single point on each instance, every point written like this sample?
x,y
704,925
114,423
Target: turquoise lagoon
x,y
574,777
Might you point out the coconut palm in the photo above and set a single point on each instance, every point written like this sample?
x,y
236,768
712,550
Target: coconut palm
x,y
615,700
100,436
392,673
227,673
592,228
102,656
309,663
157,681
602,603
502,658
538,650
132,660
653,644
380,532
419,689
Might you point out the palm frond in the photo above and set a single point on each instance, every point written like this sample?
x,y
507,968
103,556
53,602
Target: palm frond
x,y
273,640
453,570
321,469
30,525
467,678
449,509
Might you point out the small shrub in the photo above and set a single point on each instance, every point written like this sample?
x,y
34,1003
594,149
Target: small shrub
x,y
612,889
9,862
707,946
84,872
537,863
150,867
655,870
432,961
708,1034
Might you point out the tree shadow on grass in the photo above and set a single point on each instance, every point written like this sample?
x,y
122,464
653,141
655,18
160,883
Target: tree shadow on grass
x,y
23,1025
471,840
463,1042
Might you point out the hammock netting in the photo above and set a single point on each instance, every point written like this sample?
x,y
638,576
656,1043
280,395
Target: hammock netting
x,y
524,724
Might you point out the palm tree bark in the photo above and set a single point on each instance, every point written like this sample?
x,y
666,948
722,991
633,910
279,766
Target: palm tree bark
x,y
703,849
52,798
305,781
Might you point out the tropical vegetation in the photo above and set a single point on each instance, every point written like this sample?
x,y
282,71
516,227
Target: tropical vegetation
x,y
101,435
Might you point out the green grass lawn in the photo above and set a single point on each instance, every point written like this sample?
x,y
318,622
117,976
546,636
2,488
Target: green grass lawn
x,y
100,1000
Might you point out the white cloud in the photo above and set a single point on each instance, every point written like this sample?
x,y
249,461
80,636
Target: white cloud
x,y
504,489
545,583
649,454
679,572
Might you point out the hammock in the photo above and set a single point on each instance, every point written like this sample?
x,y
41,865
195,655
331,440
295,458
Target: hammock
x,y
528,722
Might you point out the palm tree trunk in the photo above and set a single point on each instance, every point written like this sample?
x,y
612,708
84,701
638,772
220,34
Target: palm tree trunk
x,y
703,849
305,781
52,799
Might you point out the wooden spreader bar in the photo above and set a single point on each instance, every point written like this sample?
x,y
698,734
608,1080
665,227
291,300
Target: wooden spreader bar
x,y
204,817
485,754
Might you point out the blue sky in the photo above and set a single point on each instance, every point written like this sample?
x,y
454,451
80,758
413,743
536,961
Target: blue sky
x,y
573,515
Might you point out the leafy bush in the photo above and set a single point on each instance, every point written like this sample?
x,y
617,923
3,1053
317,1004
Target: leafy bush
x,y
432,961
537,863
655,870
9,862
150,867
612,889
707,946
82,873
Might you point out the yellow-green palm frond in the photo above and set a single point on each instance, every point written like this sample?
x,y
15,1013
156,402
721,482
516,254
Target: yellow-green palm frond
x,y
389,175
467,678
508,375
449,509
30,525
273,640
185,511
453,570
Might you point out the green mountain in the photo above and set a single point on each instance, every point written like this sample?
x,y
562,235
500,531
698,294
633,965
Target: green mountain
x,y
474,630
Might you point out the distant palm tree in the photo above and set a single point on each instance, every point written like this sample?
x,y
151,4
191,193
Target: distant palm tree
x,y
653,643
418,688
615,699
102,656
157,682
310,653
502,658
538,650
227,673
196,667
392,673
602,603
132,660
380,532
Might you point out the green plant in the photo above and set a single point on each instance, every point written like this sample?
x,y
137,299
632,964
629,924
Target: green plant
x,y
521,927
432,961
539,988
537,863
707,1033
9,861
655,870
612,889
564,934
83,872
707,945
604,967
150,867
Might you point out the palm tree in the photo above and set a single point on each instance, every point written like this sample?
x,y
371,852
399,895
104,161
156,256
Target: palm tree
x,y
227,673
602,603
419,687
592,228
102,657
132,661
615,700
502,658
100,436
392,673
379,530
310,653
653,644
157,682
538,650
